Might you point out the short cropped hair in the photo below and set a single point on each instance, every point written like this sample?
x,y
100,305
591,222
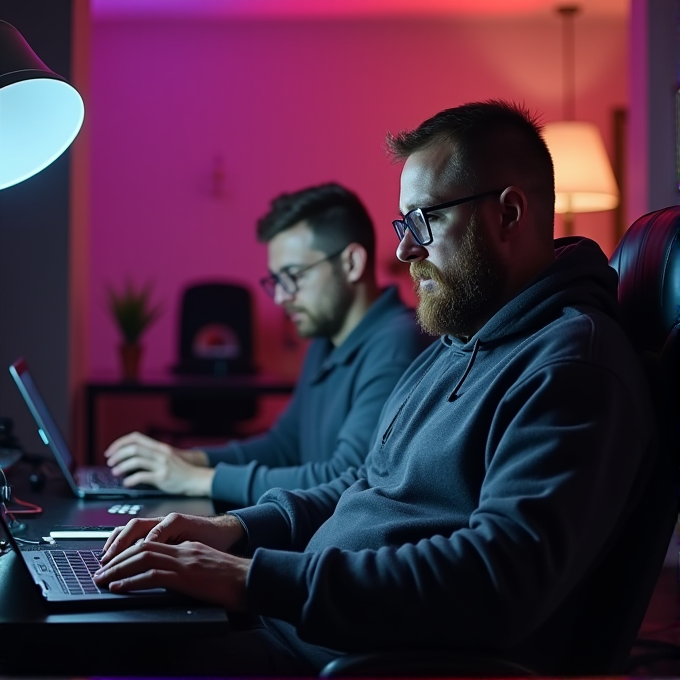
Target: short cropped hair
x,y
495,140
335,215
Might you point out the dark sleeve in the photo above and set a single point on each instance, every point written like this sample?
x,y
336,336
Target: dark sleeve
x,y
235,463
286,520
272,461
279,444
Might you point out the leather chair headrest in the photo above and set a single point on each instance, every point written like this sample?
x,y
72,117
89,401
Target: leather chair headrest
x,y
647,260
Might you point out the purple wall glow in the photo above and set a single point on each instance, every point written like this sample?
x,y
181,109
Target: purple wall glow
x,y
282,105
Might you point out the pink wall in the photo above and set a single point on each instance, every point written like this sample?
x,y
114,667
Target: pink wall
x,y
284,105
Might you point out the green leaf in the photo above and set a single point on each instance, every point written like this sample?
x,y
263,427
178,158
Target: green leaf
x,y
132,309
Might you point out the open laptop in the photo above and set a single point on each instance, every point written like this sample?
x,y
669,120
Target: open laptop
x,y
62,572
86,481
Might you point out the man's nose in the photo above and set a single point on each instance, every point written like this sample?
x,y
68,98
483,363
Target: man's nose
x,y
409,250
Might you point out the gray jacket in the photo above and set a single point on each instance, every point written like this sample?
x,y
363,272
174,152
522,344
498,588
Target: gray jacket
x,y
327,426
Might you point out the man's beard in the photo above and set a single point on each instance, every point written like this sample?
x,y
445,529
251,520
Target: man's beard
x,y
467,290
327,317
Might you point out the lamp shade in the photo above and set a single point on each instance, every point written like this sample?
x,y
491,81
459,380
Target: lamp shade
x,y
584,180
40,113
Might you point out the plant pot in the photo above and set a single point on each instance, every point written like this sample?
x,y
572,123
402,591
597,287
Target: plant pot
x,y
130,359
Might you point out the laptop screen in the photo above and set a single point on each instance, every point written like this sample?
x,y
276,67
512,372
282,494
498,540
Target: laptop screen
x,y
47,427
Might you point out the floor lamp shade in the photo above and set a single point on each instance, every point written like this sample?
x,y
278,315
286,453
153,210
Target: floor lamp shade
x,y
584,179
40,113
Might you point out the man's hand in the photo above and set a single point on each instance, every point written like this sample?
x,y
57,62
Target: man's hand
x,y
146,461
220,532
191,568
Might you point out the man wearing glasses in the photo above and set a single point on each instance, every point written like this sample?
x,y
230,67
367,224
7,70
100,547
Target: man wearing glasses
x,y
321,251
503,465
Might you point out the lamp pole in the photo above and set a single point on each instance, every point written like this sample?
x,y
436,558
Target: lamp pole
x,y
568,12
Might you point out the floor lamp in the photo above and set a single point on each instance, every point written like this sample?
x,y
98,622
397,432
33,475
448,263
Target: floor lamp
x,y
584,179
40,115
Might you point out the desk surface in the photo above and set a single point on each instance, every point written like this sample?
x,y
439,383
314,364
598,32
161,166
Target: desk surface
x,y
72,645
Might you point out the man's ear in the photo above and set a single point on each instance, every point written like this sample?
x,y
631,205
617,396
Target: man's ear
x,y
354,261
514,205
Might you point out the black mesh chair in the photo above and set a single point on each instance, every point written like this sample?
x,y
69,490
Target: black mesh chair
x,y
619,589
215,339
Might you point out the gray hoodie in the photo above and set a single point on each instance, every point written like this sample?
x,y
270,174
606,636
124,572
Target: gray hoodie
x,y
498,474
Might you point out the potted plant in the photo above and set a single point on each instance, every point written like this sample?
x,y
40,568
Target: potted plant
x,y
133,312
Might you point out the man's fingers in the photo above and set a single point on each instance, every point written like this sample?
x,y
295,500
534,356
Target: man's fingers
x,y
164,530
136,440
139,477
123,537
138,561
125,440
111,539
147,579
135,450
128,465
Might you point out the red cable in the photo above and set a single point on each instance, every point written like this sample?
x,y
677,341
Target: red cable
x,y
31,508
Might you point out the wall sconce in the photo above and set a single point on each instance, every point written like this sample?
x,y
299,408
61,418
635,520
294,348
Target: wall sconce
x,y
584,179
40,113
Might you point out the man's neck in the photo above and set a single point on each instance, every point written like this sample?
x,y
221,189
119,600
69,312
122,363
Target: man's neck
x,y
363,301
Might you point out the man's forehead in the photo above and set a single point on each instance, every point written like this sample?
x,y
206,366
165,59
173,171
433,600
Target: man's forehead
x,y
293,246
428,177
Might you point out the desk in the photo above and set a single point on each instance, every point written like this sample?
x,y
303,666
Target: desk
x,y
34,642
170,385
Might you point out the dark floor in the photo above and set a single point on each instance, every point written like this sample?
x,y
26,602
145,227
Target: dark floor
x,y
657,653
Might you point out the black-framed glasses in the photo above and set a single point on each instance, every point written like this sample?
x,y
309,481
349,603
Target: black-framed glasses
x,y
288,277
418,223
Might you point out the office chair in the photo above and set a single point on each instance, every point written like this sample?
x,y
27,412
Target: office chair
x,y
619,589
215,339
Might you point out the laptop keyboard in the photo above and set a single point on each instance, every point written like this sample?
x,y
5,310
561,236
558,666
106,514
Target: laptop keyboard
x,y
75,568
103,480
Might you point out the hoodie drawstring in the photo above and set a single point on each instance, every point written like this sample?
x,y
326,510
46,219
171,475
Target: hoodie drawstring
x,y
468,368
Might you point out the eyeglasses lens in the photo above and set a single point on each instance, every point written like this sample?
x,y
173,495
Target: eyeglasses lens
x,y
283,279
415,221
418,225
287,282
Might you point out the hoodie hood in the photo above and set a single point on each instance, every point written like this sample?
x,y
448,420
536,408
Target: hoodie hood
x,y
576,278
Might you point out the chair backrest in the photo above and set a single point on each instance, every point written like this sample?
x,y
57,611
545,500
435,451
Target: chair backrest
x,y
647,260
215,339
215,329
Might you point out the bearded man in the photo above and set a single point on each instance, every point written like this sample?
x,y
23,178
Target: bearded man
x,y
502,463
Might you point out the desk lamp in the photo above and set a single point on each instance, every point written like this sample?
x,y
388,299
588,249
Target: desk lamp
x,y
40,115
